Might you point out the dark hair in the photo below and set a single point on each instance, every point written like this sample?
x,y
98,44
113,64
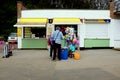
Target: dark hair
x,y
57,28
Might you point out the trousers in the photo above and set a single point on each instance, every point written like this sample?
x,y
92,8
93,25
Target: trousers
x,y
57,50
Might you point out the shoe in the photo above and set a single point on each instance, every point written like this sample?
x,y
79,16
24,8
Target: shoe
x,y
59,59
50,57
54,60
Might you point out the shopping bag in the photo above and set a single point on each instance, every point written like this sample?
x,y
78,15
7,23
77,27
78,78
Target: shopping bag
x,y
53,42
77,56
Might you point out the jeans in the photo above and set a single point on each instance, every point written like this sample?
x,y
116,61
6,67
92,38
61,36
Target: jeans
x,y
51,50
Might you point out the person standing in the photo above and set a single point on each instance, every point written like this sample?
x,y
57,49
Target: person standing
x,y
51,46
57,35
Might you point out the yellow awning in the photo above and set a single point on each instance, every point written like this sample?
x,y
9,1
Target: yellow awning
x,y
66,21
32,22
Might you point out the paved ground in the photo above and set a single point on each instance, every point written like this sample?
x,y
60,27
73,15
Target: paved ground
x,y
99,64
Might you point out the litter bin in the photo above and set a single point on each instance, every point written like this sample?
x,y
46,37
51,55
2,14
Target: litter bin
x,y
6,50
64,54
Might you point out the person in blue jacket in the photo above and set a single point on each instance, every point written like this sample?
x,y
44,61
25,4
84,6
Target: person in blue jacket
x,y
57,35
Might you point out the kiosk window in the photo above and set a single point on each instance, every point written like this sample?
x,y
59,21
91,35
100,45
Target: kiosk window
x,y
63,28
34,32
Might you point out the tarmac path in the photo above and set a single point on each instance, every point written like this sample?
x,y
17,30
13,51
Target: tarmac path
x,y
95,64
